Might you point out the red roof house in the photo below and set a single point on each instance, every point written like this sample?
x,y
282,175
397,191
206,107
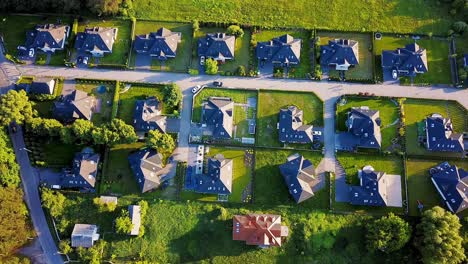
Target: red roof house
x,y
263,230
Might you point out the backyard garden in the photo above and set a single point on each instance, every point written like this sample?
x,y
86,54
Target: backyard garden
x,y
104,93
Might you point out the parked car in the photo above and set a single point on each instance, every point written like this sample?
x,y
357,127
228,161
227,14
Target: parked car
x,y
217,84
394,74
31,52
316,133
196,88
202,60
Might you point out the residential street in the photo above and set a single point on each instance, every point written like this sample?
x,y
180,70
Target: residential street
x,y
30,182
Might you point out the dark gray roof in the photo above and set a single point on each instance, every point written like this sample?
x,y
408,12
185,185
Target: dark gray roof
x,y
218,114
218,46
218,179
96,39
291,128
452,184
440,136
83,172
84,235
364,124
406,61
147,166
340,52
147,116
76,105
42,85
162,43
298,173
284,49
47,36
372,190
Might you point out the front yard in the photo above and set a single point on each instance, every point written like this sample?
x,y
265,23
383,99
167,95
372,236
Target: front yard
x,y
270,103
104,93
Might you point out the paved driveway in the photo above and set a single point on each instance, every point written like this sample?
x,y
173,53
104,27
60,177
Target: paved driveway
x,y
173,125
143,62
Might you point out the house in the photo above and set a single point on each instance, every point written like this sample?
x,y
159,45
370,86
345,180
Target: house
x,y
263,230
84,235
376,188
298,174
284,50
218,46
161,44
76,105
364,125
218,177
96,40
83,172
452,184
48,37
147,116
218,115
407,61
135,215
440,136
42,85
291,127
147,167
341,53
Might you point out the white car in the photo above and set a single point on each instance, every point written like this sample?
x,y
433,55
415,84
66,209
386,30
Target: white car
x,y
316,133
202,60
394,74
196,88
31,52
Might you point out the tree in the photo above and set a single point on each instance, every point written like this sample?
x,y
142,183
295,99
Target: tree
x,y
44,127
125,133
123,223
241,70
211,66
460,27
438,237
104,206
235,30
83,130
15,107
387,234
195,26
172,95
64,246
161,142
104,7
66,135
53,201
9,169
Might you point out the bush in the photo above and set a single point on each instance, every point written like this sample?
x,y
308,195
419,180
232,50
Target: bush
x,y
211,66
235,30
193,71
241,70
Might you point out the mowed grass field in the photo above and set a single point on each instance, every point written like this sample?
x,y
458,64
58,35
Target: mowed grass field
x,y
437,57
121,47
184,48
304,67
269,104
416,110
384,16
420,186
364,69
388,114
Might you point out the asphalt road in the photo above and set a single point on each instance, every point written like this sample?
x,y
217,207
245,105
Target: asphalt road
x,y
30,182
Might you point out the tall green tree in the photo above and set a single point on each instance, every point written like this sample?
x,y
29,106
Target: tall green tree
x,y
235,30
9,169
44,127
15,107
161,142
388,234
126,133
211,66
104,7
82,129
172,95
438,237
54,201
123,223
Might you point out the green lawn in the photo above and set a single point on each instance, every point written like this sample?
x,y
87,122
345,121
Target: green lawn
x,y
437,57
417,110
121,47
270,188
388,114
364,69
241,51
106,98
241,176
420,186
184,50
385,16
304,67
269,105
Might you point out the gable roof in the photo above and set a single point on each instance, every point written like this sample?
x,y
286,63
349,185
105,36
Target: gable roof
x,y
218,114
96,39
84,235
298,173
291,128
218,177
162,43
147,166
407,61
284,49
364,124
440,136
42,85
372,190
84,171
147,116
264,230
218,46
452,184
47,36
78,104
135,215
340,52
